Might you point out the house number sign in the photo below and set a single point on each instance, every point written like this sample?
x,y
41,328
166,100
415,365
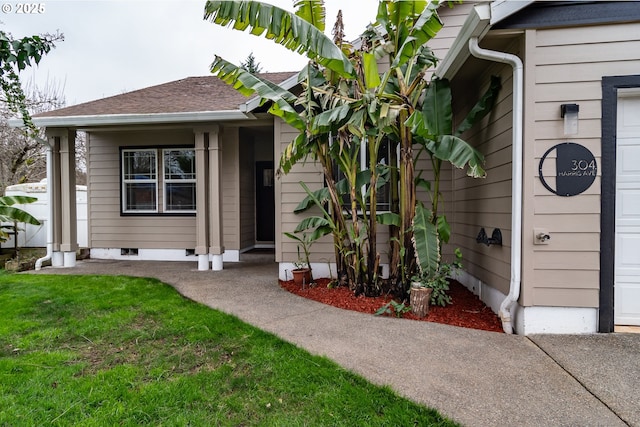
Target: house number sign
x,y
575,170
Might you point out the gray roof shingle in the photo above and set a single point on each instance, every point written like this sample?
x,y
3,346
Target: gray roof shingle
x,y
189,95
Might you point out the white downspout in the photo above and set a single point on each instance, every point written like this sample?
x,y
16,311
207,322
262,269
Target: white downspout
x,y
50,202
516,179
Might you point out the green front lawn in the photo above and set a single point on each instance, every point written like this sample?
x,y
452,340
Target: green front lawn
x,y
103,350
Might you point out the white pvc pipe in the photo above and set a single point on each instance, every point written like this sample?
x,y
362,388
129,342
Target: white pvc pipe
x,y
516,178
47,256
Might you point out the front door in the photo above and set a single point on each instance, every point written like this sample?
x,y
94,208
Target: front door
x,y
265,202
627,217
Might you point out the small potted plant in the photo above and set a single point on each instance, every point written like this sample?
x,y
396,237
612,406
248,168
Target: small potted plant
x,y
432,288
420,295
302,273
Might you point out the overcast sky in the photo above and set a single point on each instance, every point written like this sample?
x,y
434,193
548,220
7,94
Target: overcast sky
x,y
114,46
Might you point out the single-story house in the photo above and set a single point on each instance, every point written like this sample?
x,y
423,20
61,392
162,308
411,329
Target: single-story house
x,y
185,170
172,173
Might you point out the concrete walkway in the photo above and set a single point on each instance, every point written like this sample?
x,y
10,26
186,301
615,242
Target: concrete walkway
x,y
475,377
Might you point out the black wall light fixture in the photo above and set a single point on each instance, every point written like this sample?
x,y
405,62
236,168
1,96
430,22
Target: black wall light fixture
x,y
495,239
569,112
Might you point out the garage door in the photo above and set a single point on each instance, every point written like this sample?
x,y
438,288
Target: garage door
x,y
627,259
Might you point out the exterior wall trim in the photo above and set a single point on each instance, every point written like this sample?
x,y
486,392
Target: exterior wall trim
x,y
158,255
610,86
136,119
571,13
534,320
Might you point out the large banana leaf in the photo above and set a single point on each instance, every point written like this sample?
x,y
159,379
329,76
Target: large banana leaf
x,y
249,84
330,119
444,229
371,74
459,152
482,107
425,241
16,200
393,15
9,213
425,28
322,195
311,222
319,227
283,27
295,151
434,127
436,110
311,11
388,218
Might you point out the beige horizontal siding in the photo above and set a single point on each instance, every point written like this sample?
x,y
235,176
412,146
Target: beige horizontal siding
x,y
570,297
230,188
486,202
557,259
566,65
289,193
107,228
247,195
452,16
574,55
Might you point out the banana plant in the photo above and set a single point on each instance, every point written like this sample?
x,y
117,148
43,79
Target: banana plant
x,y
434,129
348,104
13,215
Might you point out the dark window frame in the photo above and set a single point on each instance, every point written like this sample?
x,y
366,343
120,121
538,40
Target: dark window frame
x,y
364,165
159,149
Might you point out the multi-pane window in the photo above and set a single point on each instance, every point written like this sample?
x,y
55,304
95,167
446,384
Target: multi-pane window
x,y
383,192
142,184
179,180
139,181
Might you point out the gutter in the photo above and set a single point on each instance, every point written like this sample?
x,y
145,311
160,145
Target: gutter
x,y
49,253
476,25
516,175
135,119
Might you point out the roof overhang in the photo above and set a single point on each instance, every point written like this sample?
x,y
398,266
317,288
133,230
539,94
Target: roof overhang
x,y
136,119
477,24
501,9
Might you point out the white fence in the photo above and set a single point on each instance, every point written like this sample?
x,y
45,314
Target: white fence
x,y
35,236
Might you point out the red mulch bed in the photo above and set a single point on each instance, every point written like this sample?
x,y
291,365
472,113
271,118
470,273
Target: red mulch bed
x,y
466,309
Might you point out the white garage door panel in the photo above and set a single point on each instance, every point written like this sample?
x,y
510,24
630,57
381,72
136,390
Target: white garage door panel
x,y
628,257
626,303
629,159
628,207
627,262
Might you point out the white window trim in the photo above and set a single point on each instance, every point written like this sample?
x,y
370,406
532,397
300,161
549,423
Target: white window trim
x,y
364,165
166,181
137,181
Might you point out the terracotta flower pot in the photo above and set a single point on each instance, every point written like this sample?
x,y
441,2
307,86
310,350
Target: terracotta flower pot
x,y
301,276
419,300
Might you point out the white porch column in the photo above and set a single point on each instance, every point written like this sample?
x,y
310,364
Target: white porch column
x,y
202,205
69,242
216,247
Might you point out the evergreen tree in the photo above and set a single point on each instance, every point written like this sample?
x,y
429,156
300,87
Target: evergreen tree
x,y
251,65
